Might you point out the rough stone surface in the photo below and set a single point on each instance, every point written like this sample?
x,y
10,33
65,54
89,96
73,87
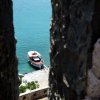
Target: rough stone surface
x,y
8,61
93,81
74,30
75,27
93,88
96,59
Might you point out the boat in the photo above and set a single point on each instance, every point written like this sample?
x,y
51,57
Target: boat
x,y
35,59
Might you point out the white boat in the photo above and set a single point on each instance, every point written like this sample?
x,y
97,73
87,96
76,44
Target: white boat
x,y
35,59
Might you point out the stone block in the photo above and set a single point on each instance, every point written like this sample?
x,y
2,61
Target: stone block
x,y
96,59
93,88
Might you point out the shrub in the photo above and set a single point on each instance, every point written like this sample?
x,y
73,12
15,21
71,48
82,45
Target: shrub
x,y
22,89
30,85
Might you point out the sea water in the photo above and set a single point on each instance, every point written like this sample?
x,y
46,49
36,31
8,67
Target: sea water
x,y
31,23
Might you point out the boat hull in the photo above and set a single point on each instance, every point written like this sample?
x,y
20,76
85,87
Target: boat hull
x,y
40,66
35,59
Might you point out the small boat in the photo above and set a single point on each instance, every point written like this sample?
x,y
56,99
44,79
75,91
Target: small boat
x,y
35,59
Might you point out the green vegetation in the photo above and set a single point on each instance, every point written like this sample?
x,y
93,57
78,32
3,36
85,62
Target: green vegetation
x,y
30,85
22,89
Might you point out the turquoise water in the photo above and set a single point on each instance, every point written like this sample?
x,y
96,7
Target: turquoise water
x,y
31,22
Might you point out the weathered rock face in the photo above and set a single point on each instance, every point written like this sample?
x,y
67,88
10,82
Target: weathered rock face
x,y
93,88
8,61
96,59
93,82
72,35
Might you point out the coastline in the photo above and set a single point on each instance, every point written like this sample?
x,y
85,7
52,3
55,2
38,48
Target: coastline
x,y
41,76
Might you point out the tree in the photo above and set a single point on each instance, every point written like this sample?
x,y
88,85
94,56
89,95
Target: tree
x,y
8,60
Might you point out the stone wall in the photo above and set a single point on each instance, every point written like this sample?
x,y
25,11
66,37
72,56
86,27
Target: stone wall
x,y
74,30
75,27
34,94
93,82
8,61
